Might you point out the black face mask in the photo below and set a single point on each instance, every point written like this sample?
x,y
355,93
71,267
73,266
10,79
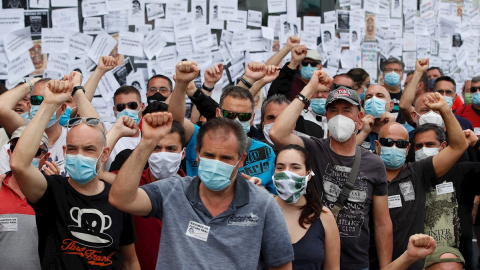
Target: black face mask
x,y
156,97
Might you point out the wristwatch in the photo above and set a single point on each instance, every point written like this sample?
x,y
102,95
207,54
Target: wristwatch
x,y
77,88
303,99
207,88
29,84
247,83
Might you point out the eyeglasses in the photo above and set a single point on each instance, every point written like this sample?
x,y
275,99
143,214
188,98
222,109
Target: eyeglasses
x,y
389,143
335,86
91,121
448,92
39,152
474,89
122,106
232,115
312,64
36,100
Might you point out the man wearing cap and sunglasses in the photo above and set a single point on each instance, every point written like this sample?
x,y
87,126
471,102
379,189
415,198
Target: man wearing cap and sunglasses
x,y
409,182
76,224
332,160
18,231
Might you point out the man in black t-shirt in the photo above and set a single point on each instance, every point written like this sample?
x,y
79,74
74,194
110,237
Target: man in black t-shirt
x,y
77,226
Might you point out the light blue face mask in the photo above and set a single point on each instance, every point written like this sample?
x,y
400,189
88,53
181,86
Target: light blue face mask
x,y
307,72
66,116
35,162
476,98
245,125
81,169
318,105
214,174
362,95
375,106
393,157
392,79
51,122
131,113
449,101
25,116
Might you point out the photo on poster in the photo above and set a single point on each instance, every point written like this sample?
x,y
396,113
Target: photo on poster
x,y
200,9
39,59
39,3
396,9
121,73
457,40
343,20
15,4
37,19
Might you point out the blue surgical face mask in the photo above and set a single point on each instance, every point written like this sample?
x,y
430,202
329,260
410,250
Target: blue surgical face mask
x,y
392,79
214,174
362,95
25,115
393,157
375,106
66,116
35,162
449,101
81,169
476,98
51,122
307,72
131,113
318,105
245,125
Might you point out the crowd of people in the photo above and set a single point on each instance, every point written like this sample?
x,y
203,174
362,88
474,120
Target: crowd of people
x,y
340,173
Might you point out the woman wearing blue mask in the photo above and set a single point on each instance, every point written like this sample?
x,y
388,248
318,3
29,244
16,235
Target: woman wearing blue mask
x,y
312,227
361,79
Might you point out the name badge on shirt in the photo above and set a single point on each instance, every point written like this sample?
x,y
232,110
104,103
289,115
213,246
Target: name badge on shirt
x,y
394,201
477,131
198,231
8,224
444,188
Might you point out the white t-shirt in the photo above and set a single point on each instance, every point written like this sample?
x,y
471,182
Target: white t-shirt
x,y
122,144
56,154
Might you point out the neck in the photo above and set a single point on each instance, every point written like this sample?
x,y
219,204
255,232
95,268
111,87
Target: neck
x,y
346,148
93,187
293,207
392,89
391,174
12,183
475,106
53,133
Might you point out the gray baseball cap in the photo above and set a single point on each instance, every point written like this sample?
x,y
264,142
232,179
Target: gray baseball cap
x,y
346,94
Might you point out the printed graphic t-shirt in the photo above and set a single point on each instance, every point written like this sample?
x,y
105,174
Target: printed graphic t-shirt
x,y
331,172
78,231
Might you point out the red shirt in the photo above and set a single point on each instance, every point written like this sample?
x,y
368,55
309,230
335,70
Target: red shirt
x,y
457,103
11,202
471,113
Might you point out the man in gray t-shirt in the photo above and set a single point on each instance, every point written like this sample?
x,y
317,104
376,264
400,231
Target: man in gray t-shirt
x,y
332,160
216,220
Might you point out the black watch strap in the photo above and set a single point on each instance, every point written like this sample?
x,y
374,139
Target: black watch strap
x,y
77,88
207,88
303,99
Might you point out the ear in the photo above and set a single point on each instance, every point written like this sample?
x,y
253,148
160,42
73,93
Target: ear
x,y
143,106
106,154
64,149
443,145
253,119
377,147
218,112
361,114
240,164
115,111
198,154
413,115
9,153
391,104
309,177
43,160
62,109
183,153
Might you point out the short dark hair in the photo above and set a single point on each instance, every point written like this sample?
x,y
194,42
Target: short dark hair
x,y
237,92
162,77
358,75
3,89
476,79
125,90
444,78
393,60
43,80
437,68
277,99
439,133
228,127
156,106
345,75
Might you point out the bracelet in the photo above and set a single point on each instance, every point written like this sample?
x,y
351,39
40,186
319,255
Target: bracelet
x,y
302,98
247,83
207,88
29,83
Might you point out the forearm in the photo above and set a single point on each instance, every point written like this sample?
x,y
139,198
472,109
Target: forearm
x,y
401,263
84,106
205,104
283,83
257,86
408,95
277,58
124,189
177,99
384,241
92,84
361,136
456,137
11,98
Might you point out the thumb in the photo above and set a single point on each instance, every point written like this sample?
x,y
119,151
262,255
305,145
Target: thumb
x,y
246,176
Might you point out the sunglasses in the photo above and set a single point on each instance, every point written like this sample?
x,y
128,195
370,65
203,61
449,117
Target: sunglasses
x,y
232,115
36,100
335,86
442,92
389,143
91,121
39,152
122,106
312,64
474,89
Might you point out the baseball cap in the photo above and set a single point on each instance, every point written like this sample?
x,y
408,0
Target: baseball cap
x,y
344,93
18,132
314,55
439,251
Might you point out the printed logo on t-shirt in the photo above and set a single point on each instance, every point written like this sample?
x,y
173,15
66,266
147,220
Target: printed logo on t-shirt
x,y
256,161
246,220
89,232
407,191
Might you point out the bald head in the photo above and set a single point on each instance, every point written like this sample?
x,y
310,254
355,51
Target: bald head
x,y
377,91
393,130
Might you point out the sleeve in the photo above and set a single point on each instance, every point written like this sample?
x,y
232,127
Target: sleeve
x,y
429,175
381,186
128,235
283,83
276,246
205,104
47,202
156,198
